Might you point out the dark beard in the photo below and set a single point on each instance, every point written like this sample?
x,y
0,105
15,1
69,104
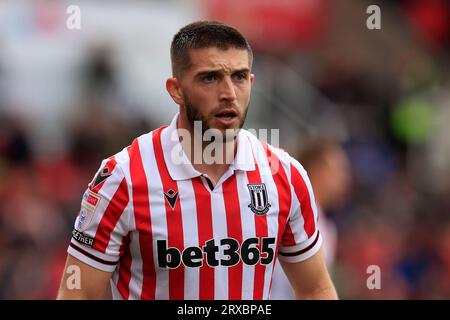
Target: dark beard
x,y
193,114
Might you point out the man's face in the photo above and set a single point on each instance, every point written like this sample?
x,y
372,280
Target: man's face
x,y
216,88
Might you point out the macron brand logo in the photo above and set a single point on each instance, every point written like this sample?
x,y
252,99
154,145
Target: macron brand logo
x,y
171,197
102,176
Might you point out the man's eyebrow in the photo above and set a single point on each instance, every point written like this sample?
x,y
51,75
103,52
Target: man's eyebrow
x,y
243,70
220,71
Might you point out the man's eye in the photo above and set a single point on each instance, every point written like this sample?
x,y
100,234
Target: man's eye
x,y
240,76
209,78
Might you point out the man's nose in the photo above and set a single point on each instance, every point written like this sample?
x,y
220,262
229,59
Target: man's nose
x,y
227,90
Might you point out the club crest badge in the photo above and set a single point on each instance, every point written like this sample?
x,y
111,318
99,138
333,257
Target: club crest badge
x,y
259,199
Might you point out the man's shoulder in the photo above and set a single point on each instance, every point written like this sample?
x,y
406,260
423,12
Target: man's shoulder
x,y
138,145
267,150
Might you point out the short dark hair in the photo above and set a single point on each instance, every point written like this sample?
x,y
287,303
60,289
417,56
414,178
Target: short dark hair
x,y
204,34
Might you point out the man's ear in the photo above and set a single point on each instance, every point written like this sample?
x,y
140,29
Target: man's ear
x,y
173,88
252,78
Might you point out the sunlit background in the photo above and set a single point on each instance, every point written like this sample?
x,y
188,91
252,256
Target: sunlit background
x,y
69,98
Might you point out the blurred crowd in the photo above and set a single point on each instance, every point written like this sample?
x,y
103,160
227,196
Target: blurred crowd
x,y
383,96
40,193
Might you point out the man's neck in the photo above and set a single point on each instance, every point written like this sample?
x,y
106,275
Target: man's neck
x,y
210,158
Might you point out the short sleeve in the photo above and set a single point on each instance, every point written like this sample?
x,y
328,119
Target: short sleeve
x,y
301,238
102,225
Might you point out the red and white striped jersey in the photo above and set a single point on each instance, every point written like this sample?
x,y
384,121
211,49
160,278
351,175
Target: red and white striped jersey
x,y
165,233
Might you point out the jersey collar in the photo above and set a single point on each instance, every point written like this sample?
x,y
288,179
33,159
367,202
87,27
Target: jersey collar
x,y
178,164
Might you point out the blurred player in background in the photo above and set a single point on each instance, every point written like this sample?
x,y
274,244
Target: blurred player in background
x,y
329,170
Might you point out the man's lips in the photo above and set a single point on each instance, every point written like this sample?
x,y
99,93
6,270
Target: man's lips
x,y
226,116
226,113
